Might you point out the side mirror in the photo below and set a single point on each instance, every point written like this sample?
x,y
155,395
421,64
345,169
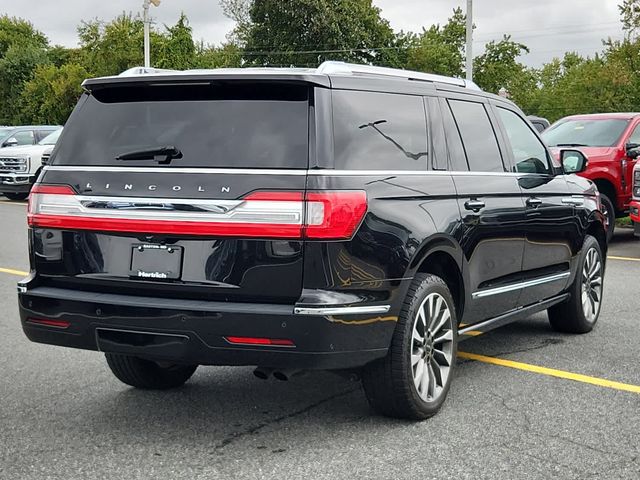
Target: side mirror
x,y
573,161
633,150
12,142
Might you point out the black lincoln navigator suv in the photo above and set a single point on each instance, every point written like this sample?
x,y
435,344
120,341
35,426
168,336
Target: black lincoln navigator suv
x,y
342,218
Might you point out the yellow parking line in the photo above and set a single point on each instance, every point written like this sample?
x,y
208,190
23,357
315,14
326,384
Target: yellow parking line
x,y
628,259
473,333
13,272
551,372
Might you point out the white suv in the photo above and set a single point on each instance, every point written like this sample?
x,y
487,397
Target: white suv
x,y
20,166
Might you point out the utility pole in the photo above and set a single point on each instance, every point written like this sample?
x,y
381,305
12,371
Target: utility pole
x,y
147,21
469,48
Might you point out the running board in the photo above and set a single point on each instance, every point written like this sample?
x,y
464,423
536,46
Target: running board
x,y
512,316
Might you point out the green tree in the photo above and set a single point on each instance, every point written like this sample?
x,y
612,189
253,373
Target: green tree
x,y
18,31
52,93
630,12
177,50
498,66
228,55
440,49
16,68
306,32
109,49
22,49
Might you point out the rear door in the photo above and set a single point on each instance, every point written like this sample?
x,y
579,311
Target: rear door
x,y
550,221
490,203
215,213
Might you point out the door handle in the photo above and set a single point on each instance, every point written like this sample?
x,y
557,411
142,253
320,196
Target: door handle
x,y
533,202
578,202
474,205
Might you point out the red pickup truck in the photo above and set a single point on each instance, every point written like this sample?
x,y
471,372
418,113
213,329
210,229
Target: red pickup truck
x,y
611,142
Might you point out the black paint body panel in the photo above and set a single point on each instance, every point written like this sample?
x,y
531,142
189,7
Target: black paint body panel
x,y
250,287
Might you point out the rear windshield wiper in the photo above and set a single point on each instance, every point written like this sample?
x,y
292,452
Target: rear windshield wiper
x,y
571,145
159,154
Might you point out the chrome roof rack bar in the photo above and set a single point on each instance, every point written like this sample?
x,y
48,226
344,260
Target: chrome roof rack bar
x,y
145,71
342,68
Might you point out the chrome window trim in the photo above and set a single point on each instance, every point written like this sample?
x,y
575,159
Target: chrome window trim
x,y
246,171
238,171
516,286
358,310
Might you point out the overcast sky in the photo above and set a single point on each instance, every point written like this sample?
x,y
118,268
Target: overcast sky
x,y
548,27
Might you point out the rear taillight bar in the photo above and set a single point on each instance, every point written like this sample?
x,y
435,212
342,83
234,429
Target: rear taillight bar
x,y
328,215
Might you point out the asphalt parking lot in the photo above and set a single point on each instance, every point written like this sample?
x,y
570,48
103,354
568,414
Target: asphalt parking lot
x,y
526,403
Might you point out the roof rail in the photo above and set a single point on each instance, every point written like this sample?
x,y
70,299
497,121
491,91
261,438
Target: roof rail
x,y
143,71
342,68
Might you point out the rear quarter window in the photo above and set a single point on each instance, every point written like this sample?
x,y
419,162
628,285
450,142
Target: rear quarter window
x,y
379,131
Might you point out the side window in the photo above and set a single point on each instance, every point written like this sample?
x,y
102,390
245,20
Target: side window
x,y
635,135
478,137
438,139
379,131
457,157
530,155
24,137
40,134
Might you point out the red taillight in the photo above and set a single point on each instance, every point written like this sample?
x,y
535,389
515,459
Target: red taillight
x,y
276,342
334,214
49,323
327,215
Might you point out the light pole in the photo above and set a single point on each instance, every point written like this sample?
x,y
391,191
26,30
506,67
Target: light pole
x,y
469,48
146,20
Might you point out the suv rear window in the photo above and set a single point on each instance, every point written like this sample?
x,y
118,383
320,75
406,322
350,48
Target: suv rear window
x,y
245,125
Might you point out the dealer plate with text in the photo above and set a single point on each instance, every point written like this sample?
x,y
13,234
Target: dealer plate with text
x,y
156,262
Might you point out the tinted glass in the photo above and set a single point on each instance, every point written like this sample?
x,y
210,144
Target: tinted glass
x,y
635,135
51,139
439,159
585,133
24,137
218,125
379,131
530,156
457,157
478,136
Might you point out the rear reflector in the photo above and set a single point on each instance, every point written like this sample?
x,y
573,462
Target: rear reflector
x,y
49,323
328,215
276,342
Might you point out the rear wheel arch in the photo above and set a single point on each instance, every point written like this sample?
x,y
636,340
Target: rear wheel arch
x,y
596,230
442,257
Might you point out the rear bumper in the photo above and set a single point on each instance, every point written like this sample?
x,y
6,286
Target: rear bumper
x,y
192,331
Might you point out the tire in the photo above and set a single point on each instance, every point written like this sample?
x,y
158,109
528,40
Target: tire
x,y
146,374
16,196
580,312
393,385
609,212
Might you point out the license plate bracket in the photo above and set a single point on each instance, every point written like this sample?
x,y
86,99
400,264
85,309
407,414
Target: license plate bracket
x,y
156,262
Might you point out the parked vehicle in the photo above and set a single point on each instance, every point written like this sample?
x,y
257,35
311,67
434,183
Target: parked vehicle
x,y
20,166
634,207
540,123
24,135
346,217
610,141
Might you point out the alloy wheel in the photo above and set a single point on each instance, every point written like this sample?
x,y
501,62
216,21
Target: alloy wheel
x,y
432,347
591,285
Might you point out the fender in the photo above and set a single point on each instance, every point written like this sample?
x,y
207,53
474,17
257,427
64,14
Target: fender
x,y
446,244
